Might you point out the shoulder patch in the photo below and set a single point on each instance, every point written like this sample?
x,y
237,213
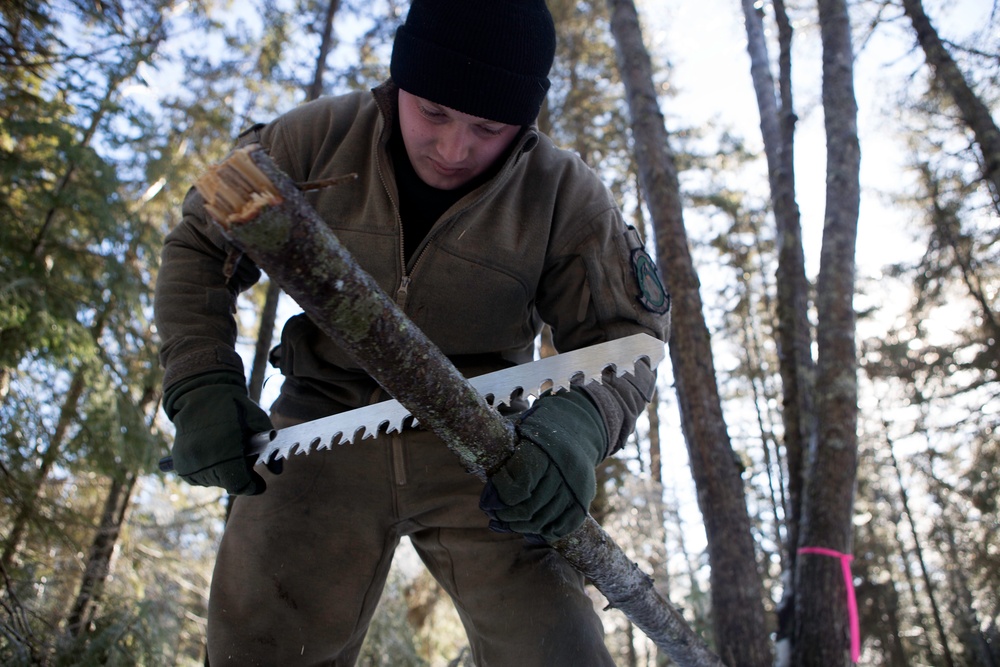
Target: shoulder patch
x,y
652,295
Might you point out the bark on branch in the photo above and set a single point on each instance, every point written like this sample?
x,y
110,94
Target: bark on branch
x,y
265,216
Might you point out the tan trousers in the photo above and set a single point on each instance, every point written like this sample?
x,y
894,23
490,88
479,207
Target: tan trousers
x,y
302,566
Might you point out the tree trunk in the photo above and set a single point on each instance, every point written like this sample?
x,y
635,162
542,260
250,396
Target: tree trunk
x,y
883,619
269,311
967,619
974,112
264,215
737,593
924,650
655,455
918,550
99,556
821,611
777,124
48,459
27,503
315,89
265,336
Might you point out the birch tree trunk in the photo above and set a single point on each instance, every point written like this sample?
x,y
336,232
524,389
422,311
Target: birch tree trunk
x,y
655,454
821,612
737,593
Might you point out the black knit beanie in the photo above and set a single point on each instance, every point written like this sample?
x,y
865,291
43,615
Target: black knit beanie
x,y
486,58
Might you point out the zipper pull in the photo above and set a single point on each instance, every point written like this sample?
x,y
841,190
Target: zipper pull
x,y
401,293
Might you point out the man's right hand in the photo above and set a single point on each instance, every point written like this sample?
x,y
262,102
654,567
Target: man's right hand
x,y
214,419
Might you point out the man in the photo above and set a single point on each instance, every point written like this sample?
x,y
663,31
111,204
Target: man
x,y
482,230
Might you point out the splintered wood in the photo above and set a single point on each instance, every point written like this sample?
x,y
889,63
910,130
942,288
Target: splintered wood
x,y
236,189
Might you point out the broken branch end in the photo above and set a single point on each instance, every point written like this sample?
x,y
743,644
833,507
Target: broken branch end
x,y
235,190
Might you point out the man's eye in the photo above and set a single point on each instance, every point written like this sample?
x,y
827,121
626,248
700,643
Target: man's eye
x,y
493,132
430,113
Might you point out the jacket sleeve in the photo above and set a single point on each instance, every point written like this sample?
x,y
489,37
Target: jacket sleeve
x,y
194,303
201,275
599,285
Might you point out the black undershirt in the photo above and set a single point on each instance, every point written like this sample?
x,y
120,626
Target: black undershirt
x,y
421,205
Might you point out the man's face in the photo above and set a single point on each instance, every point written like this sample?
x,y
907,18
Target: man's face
x,y
448,148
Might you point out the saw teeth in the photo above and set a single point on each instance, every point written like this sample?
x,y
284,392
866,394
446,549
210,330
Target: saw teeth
x,y
499,389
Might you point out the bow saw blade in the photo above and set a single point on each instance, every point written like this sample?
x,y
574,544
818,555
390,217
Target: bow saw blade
x,y
527,380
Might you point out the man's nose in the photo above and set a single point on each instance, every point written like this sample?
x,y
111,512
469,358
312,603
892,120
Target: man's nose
x,y
453,144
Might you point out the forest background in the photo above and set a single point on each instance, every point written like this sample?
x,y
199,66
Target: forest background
x,y
110,110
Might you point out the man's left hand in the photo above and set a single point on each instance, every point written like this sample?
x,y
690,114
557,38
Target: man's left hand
x,y
545,489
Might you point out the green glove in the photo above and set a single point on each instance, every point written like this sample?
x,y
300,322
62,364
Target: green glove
x,y
546,487
214,418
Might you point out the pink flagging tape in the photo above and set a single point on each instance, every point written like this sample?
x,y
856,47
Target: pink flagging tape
x,y
852,601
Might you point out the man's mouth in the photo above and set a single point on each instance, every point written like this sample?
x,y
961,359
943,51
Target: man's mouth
x,y
444,170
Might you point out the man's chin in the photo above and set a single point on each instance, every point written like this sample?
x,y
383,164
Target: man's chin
x,y
444,179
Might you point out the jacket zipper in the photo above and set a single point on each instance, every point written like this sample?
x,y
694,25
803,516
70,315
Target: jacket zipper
x,y
402,292
404,284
